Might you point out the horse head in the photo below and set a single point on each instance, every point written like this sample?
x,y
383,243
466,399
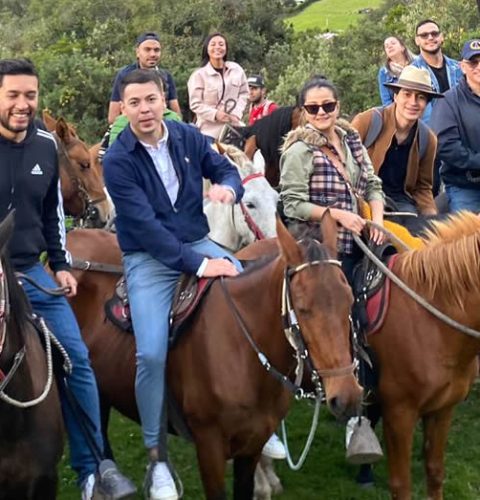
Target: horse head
x,y
253,218
82,186
321,300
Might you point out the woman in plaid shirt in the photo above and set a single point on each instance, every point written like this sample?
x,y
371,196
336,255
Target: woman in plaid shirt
x,y
325,165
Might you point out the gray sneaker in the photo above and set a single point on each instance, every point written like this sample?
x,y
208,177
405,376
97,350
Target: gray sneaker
x,y
111,483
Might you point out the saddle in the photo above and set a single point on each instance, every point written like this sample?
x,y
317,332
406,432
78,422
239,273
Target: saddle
x,y
188,293
371,290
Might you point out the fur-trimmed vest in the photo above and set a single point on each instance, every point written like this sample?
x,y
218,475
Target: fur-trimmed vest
x,y
328,188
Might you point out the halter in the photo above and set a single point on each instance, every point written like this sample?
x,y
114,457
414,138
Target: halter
x,y
294,337
90,211
251,224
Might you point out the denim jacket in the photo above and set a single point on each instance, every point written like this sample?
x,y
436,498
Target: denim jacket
x,y
454,75
386,94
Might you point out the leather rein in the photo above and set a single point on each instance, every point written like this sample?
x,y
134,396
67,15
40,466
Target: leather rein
x,y
252,225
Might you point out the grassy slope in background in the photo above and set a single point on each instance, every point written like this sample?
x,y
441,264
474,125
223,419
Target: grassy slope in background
x,y
331,15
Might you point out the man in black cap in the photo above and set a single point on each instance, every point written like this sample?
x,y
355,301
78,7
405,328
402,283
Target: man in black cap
x,y
148,51
456,120
260,106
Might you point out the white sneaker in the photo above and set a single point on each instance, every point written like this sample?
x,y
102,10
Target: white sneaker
x,y
87,487
162,485
274,448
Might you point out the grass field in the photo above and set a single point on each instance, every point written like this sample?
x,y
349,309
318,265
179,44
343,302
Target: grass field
x,y
325,475
331,15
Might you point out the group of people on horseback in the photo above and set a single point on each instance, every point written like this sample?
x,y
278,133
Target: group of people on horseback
x,y
153,172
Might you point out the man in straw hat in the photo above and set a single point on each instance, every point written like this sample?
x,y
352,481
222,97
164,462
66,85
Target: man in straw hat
x,y
457,122
400,145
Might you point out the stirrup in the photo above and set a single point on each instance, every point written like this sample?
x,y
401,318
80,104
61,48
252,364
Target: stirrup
x,y
364,447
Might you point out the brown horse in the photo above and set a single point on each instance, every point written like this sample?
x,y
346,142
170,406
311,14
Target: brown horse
x,y
31,425
83,191
231,403
425,366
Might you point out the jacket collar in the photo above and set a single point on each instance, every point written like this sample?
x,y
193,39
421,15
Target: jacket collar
x,y
212,71
313,137
130,140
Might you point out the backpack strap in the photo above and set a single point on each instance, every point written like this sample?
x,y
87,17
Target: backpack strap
x,y
423,138
375,127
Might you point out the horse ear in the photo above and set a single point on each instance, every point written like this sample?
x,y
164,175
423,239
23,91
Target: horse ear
x,y
289,248
329,229
49,120
63,131
6,230
220,148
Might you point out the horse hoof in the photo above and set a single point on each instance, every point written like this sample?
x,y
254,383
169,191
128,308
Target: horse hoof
x,y
365,478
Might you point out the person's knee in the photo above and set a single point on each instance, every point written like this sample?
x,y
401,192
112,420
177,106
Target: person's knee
x,y
154,360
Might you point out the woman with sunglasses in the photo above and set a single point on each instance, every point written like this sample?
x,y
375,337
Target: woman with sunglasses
x,y
218,90
324,165
397,56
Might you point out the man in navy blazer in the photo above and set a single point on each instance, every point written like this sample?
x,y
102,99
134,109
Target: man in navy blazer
x,y
154,174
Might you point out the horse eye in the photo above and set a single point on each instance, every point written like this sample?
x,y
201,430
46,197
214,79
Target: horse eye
x,y
250,205
84,166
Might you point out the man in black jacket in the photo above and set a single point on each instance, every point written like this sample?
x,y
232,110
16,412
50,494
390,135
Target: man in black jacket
x,y
456,120
29,183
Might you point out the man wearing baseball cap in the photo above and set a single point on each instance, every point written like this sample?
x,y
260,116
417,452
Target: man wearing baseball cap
x,y
401,146
456,120
148,51
260,106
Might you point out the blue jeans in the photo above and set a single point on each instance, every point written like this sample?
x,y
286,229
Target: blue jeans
x,y
460,198
151,286
60,319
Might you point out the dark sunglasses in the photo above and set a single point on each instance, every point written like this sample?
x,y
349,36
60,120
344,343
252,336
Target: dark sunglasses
x,y
473,64
433,34
312,109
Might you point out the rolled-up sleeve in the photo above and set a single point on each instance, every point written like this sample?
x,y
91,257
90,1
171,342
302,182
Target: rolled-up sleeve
x,y
296,167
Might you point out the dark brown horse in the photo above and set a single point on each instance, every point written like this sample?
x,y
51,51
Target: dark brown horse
x,y
266,135
31,425
83,191
231,403
425,366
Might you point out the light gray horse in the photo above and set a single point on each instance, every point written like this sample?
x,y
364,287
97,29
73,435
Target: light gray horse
x,y
235,227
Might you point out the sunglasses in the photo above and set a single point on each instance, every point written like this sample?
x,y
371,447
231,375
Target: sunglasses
x,y
312,109
433,34
473,64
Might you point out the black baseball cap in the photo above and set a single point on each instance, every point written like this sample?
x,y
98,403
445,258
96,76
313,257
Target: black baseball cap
x,y
148,35
255,81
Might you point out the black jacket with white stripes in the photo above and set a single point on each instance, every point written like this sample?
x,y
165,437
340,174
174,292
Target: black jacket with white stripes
x,y
29,183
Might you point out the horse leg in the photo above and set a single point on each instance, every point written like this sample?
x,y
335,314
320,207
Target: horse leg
x,y
243,474
211,462
435,432
105,408
398,429
268,467
46,487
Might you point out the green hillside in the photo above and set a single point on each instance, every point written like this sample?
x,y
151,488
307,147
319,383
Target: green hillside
x,y
331,15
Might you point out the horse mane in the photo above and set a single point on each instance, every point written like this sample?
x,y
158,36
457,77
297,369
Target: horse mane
x,y
20,308
240,160
450,260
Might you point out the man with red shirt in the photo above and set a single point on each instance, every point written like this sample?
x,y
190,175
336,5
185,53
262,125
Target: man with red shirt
x,y
260,106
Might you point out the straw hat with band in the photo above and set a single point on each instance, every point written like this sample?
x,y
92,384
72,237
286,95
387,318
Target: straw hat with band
x,y
417,79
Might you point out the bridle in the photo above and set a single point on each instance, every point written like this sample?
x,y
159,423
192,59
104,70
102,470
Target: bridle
x,y
251,224
293,334
89,209
39,323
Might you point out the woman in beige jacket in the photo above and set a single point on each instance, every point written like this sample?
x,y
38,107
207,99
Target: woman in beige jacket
x,y
218,91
